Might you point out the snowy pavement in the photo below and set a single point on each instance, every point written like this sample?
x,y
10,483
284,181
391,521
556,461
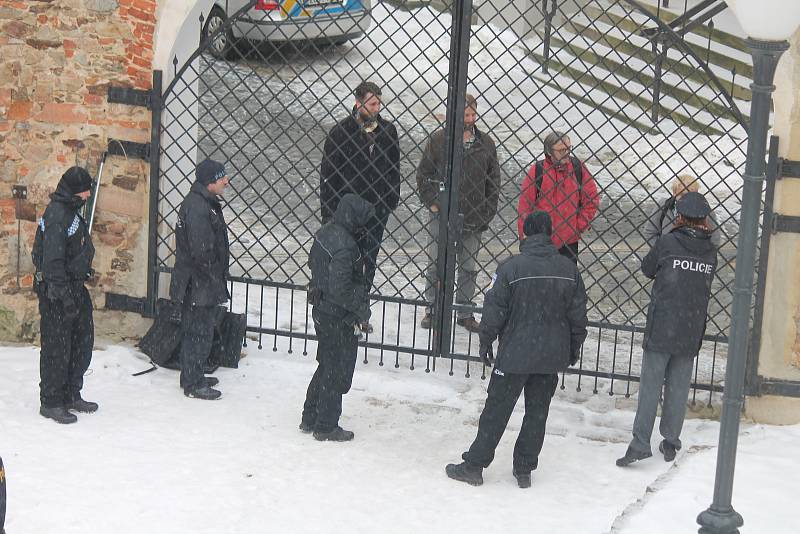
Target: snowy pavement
x,y
154,461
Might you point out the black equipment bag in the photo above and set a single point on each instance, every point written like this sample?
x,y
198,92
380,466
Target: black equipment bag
x,y
162,342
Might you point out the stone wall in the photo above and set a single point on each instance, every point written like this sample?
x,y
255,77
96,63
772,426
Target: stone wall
x,y
57,60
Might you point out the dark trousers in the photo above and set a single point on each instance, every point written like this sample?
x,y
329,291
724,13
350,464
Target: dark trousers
x,y
503,392
337,348
66,349
570,250
197,328
370,244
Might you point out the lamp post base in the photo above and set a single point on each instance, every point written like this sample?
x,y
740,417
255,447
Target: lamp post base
x,y
719,522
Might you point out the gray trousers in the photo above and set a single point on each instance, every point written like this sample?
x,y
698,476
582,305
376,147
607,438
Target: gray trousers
x,y
466,265
674,373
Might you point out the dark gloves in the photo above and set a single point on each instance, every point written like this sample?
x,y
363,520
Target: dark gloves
x,y
574,356
70,308
487,354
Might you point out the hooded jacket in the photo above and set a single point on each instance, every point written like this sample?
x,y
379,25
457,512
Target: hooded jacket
x,y
201,250
571,206
337,266
683,264
366,164
537,307
479,186
62,249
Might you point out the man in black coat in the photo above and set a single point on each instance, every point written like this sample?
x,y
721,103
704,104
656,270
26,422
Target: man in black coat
x,y
338,293
362,156
199,278
682,263
62,254
537,307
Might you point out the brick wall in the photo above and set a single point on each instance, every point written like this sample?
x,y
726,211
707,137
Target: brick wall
x,y
57,60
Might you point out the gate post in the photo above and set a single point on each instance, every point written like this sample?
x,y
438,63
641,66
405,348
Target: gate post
x,y
454,151
156,105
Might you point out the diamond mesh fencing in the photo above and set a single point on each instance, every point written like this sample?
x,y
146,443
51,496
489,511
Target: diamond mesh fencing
x,y
643,94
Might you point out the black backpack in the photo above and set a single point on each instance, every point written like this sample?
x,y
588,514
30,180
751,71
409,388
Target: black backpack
x,y
576,166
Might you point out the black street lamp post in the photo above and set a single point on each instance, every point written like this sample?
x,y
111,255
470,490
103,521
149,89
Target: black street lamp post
x,y
720,517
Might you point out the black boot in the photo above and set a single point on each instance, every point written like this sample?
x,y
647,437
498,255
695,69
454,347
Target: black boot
x,y
210,381
337,434
632,456
465,472
668,450
306,428
58,414
523,479
82,406
203,392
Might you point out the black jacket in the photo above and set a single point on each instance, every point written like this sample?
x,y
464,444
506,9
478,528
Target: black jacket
x,y
537,306
683,264
479,186
63,249
201,250
365,164
337,266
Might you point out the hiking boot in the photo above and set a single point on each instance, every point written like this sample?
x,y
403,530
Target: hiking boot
x,y
203,392
59,414
470,324
668,450
366,328
306,428
464,472
427,322
210,381
523,479
337,434
632,456
82,406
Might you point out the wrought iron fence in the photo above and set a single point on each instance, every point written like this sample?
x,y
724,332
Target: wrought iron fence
x,y
270,80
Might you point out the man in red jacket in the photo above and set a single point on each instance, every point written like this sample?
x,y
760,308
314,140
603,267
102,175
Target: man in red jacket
x,y
563,187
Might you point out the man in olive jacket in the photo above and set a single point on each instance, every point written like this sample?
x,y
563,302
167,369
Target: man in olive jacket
x,y
537,307
338,293
199,278
479,190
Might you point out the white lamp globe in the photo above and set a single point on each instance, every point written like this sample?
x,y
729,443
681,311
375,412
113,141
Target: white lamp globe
x,y
767,20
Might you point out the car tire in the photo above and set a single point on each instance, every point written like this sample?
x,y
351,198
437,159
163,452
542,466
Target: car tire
x,y
222,45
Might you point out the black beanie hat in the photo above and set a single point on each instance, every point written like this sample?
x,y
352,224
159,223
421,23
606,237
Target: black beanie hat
x,y
209,171
693,205
538,222
76,180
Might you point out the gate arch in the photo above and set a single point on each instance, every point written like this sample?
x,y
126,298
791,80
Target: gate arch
x,y
638,116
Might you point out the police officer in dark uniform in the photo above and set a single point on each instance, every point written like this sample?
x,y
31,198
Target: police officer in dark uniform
x,y
199,279
62,254
537,307
682,263
338,293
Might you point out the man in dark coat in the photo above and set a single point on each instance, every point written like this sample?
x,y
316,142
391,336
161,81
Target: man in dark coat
x,y
683,264
537,307
338,293
362,156
479,190
63,254
199,278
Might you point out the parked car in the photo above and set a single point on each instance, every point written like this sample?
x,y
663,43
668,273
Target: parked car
x,y
281,21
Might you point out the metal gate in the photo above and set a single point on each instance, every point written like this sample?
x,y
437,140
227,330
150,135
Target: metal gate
x,y
644,93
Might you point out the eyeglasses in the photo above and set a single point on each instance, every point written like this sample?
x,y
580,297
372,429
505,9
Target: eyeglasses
x,y
564,150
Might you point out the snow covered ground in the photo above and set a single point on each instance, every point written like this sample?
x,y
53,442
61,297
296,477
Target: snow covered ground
x,y
154,461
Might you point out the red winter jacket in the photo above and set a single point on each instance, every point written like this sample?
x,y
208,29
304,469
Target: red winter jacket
x,y
559,198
